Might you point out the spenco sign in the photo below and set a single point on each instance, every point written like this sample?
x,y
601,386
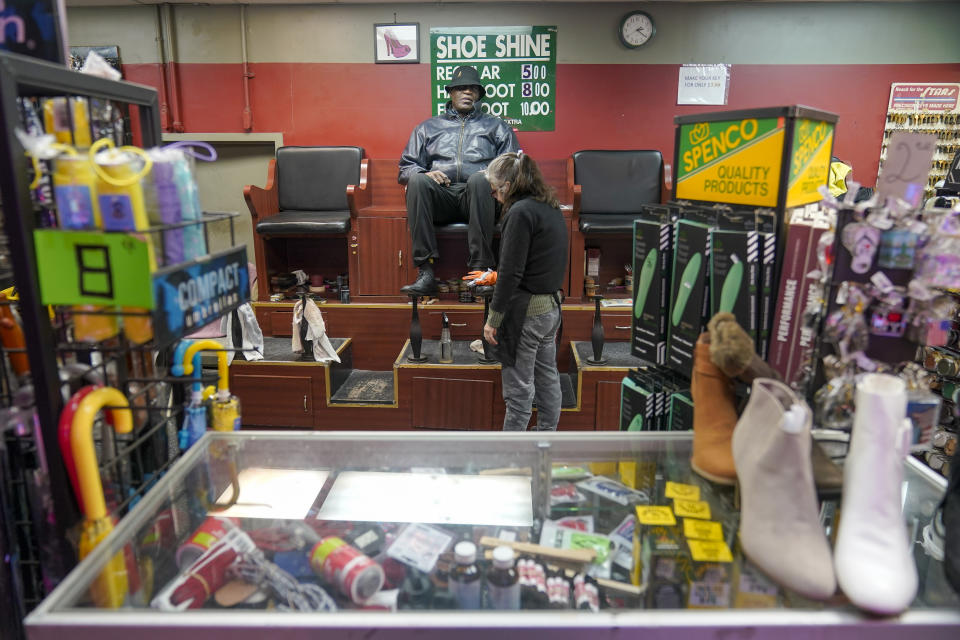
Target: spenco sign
x,y
736,161
707,145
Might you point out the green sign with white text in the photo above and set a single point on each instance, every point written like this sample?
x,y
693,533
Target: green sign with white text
x,y
517,66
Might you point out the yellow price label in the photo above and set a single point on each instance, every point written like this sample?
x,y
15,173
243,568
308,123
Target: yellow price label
x,y
692,509
709,551
682,491
694,529
662,516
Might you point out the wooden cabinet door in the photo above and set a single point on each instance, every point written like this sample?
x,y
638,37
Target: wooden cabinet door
x,y
273,400
383,256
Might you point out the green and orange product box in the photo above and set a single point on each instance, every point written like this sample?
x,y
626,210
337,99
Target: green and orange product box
x,y
774,157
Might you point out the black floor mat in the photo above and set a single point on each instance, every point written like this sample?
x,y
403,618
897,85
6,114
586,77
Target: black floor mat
x,y
616,354
430,349
281,350
568,390
367,387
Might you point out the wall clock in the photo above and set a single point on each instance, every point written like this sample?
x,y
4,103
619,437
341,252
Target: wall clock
x,y
636,29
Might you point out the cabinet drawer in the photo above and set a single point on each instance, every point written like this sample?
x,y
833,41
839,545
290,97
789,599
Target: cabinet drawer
x,y
281,323
616,326
464,325
269,400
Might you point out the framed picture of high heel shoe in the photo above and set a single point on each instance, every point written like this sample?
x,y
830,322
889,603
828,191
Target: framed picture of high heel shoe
x,y
396,43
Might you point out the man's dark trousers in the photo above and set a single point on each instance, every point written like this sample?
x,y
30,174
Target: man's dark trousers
x,y
429,204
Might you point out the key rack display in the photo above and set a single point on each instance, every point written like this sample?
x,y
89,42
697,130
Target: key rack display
x,y
58,459
926,108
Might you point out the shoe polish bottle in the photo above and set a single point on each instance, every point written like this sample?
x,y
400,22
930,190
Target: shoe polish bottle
x,y
446,345
465,577
503,583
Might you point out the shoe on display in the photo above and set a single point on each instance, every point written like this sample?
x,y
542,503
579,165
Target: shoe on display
x,y
714,417
873,559
780,530
732,351
425,284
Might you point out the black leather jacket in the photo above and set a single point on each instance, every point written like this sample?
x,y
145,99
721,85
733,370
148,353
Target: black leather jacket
x,y
455,144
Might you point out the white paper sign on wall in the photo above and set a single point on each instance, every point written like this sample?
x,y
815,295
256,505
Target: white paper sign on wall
x,y
703,84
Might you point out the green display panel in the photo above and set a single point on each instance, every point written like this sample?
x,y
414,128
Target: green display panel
x,y
517,65
89,267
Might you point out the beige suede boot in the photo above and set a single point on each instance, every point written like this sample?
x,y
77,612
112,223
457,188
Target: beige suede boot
x,y
779,517
714,417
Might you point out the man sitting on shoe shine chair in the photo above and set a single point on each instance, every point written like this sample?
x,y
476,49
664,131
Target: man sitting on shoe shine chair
x,y
443,168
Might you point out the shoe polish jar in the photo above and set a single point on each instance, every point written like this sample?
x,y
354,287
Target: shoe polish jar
x,y
465,577
503,585
356,575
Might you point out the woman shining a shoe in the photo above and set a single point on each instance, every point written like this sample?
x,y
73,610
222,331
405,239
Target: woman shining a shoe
x,y
525,310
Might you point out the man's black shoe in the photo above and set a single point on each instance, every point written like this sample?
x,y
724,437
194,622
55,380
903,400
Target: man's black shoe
x,y
425,285
483,290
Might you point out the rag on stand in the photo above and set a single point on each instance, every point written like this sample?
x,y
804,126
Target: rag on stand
x,y
323,351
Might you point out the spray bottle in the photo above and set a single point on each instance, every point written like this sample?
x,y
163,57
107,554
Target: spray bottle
x,y
226,407
195,413
446,345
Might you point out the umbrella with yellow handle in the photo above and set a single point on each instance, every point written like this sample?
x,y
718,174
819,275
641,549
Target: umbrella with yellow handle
x,y
226,407
110,587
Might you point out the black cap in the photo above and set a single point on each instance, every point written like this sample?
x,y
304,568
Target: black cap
x,y
466,76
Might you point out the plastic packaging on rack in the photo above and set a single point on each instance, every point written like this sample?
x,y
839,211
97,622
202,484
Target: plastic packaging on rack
x,y
163,202
194,239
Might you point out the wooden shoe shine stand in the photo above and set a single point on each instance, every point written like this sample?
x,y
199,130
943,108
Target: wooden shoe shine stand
x,y
376,386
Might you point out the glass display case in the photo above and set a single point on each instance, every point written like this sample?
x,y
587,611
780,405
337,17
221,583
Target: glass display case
x,y
252,534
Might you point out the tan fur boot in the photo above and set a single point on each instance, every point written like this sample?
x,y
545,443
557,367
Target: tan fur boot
x,y
714,417
731,349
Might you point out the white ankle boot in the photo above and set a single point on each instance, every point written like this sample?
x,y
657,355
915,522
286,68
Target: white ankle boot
x,y
780,529
875,568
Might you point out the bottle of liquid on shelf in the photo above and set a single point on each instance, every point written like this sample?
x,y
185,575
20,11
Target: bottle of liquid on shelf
x,y
503,583
163,203
446,345
194,238
465,577
120,175
75,191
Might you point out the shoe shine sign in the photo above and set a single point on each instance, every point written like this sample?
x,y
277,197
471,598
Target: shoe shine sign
x,y
517,66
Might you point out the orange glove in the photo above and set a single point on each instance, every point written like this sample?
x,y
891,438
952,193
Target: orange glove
x,y
482,278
